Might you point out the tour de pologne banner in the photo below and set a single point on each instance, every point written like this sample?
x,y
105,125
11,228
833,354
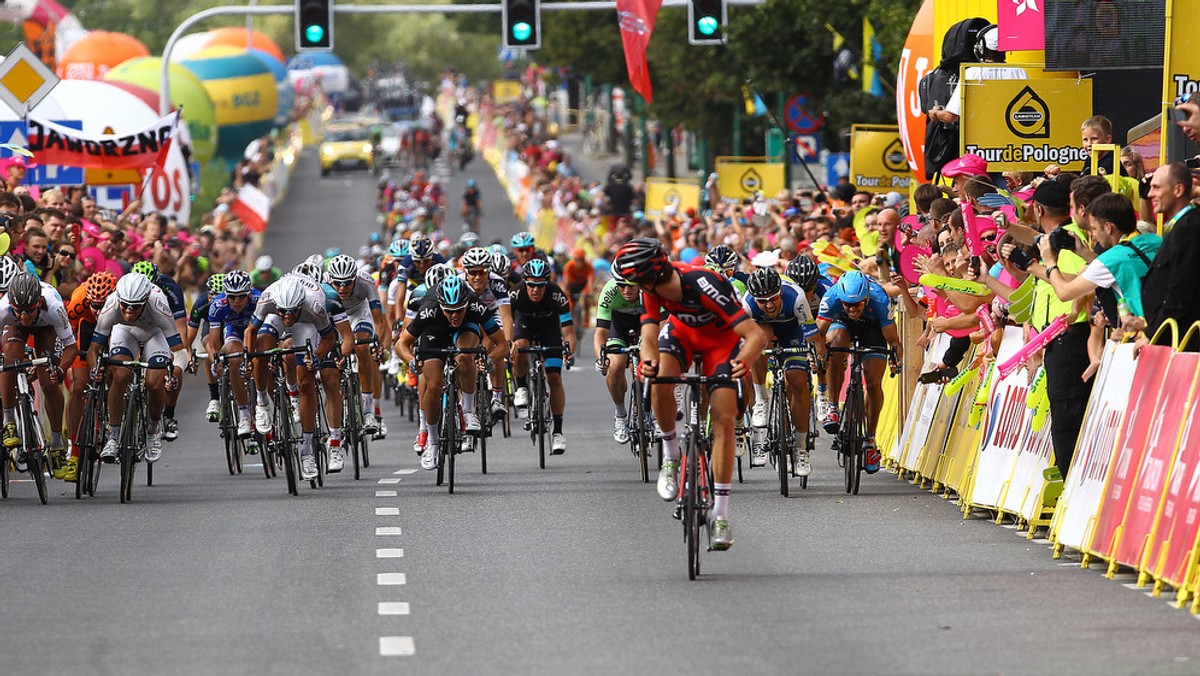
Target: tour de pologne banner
x,y
53,143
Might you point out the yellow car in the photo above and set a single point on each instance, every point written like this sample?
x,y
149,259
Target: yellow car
x,y
346,146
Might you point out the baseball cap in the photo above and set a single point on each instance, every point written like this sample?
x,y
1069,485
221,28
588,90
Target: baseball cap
x,y
970,164
892,199
1052,194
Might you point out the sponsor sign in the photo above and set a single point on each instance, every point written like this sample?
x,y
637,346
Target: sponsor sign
x,y
1180,521
506,91
13,132
1005,427
56,144
681,192
877,160
738,179
1024,125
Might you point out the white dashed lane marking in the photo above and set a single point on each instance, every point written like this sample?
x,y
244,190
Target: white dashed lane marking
x,y
388,482
390,646
405,472
393,608
389,553
385,494
387,511
388,530
391,579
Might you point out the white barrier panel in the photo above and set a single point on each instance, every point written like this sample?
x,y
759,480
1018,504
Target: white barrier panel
x,y
1005,426
1034,454
1084,486
925,403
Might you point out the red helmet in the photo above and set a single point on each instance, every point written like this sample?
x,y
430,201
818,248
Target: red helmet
x,y
99,286
642,261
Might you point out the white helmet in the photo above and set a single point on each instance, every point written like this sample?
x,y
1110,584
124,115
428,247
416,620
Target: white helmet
x,y
133,288
264,263
342,268
8,270
309,270
436,274
476,257
290,294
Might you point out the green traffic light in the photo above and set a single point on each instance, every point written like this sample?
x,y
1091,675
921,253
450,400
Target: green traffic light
x,y
314,33
707,25
522,31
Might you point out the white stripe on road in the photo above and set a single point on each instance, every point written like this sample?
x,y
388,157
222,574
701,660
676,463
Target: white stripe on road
x,y
387,530
389,482
405,472
393,608
389,553
385,494
390,579
393,646
387,511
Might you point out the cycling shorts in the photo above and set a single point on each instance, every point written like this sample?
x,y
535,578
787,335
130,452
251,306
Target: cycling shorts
x,y
42,338
575,288
716,349
868,335
546,333
791,335
233,332
445,337
300,333
144,342
362,321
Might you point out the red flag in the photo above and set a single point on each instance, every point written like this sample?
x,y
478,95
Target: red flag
x,y
637,19
252,207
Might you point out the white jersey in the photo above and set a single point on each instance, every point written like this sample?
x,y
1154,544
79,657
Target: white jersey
x,y
155,315
496,292
53,315
364,295
312,311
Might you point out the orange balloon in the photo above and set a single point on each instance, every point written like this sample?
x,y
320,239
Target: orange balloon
x,y
93,55
236,37
918,58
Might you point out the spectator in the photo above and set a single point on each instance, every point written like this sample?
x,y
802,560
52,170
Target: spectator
x,y
36,253
1172,287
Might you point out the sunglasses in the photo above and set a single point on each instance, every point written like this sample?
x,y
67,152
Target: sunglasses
x,y
132,306
859,304
68,254
454,311
26,311
536,285
524,249
96,307
768,299
289,312
342,284
478,272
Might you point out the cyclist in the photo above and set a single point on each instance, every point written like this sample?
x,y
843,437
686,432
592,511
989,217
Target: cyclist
x,y
618,322
448,317
725,260
578,275
542,316
706,321
781,309
174,294
136,321
804,273
858,309
411,271
197,327
230,313
492,290
32,310
472,205
359,296
85,303
292,309
434,276
523,249
389,280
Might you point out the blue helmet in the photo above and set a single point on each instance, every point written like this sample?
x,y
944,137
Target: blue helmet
x,y
855,287
398,249
470,183
536,268
420,248
453,293
521,240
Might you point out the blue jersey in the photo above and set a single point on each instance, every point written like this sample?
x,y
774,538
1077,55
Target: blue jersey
x,y
404,269
793,314
878,310
220,314
199,310
174,294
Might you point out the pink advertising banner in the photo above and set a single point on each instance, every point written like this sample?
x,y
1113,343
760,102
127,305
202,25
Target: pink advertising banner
x,y
1022,25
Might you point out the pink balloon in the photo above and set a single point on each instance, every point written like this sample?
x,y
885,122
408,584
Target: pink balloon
x,y
908,259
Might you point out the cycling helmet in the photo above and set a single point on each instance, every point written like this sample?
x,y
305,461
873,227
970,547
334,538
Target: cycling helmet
x,y
133,289
420,248
470,183
436,274
289,295
521,240
101,284
375,238
642,261
620,279
855,287
341,269
500,263
216,283
332,252
722,258
764,283
315,259
804,272
987,44
536,268
25,291
469,239
147,268
452,293
560,249
308,270
237,283
476,257
8,270
499,248
398,249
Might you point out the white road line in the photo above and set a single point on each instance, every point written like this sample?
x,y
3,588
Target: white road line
x,y
388,482
405,472
1132,585
393,608
385,494
387,511
390,579
389,553
387,530
395,646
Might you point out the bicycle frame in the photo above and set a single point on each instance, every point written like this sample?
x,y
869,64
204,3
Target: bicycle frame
x,y
29,428
451,422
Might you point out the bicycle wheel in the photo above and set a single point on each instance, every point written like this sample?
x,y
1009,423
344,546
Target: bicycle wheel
x,y
354,437
5,463
483,405
450,441
691,511
539,422
856,449
128,432
779,421
638,434
285,442
849,440
447,392
364,446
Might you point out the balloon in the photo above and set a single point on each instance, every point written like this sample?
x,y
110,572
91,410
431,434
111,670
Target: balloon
x,y
688,254
188,45
918,58
187,91
243,92
90,57
283,86
236,37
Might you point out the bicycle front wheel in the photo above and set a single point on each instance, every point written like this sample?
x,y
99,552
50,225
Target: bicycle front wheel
x,y
691,512
639,437
780,421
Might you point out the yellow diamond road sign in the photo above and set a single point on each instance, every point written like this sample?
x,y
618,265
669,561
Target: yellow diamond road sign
x,y
24,80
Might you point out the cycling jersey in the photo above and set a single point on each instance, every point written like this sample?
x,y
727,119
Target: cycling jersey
x,y
53,315
824,284
577,274
199,310
877,312
708,301
496,293
174,294
792,326
364,295
233,324
553,305
613,311
405,268
152,334
314,310
434,331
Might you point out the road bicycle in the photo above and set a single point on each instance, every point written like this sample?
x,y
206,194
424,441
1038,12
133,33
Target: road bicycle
x,y
227,418
852,432
696,493
284,437
539,418
639,420
451,425
355,440
483,408
90,437
781,434
32,451
131,440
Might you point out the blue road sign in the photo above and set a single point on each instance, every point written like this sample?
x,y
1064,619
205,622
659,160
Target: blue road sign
x,y
837,165
798,118
44,174
808,147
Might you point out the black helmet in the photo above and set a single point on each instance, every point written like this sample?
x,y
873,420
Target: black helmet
x,y
642,261
764,283
25,291
722,258
804,272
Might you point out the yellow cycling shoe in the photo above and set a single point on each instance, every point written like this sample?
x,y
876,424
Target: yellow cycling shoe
x,y
70,470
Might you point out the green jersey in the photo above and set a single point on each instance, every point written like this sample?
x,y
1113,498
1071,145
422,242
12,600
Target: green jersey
x,y
613,305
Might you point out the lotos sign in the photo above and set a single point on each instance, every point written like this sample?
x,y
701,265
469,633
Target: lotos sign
x,y
877,159
1024,125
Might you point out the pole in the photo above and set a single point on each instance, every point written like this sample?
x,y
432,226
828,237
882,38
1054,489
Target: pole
x,y
737,129
781,103
670,152
646,145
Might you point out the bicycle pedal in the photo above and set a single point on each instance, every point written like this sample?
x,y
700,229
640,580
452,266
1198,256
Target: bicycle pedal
x,y
678,513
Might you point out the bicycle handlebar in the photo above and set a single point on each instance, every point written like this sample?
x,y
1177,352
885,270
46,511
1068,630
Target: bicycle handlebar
x,y
282,351
132,363
784,351
25,364
425,353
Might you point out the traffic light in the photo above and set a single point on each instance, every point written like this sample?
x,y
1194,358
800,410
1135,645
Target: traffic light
x,y
522,23
706,22
314,24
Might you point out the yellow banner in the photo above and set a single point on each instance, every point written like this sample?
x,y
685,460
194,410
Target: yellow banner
x,y
738,180
1181,72
506,91
877,161
1025,125
684,193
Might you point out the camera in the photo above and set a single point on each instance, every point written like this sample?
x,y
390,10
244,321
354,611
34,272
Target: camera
x,y
1019,259
1061,240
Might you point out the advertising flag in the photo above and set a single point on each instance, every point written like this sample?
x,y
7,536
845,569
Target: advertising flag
x,y
637,19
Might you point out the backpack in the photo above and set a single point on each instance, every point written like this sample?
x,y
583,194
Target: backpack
x,y
936,88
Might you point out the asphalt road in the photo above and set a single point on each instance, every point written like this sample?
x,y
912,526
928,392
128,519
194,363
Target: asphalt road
x,y
576,569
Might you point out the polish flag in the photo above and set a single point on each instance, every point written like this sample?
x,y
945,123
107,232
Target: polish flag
x,y
252,207
637,19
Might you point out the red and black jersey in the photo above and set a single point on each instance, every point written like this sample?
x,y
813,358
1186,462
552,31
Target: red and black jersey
x,y
708,301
